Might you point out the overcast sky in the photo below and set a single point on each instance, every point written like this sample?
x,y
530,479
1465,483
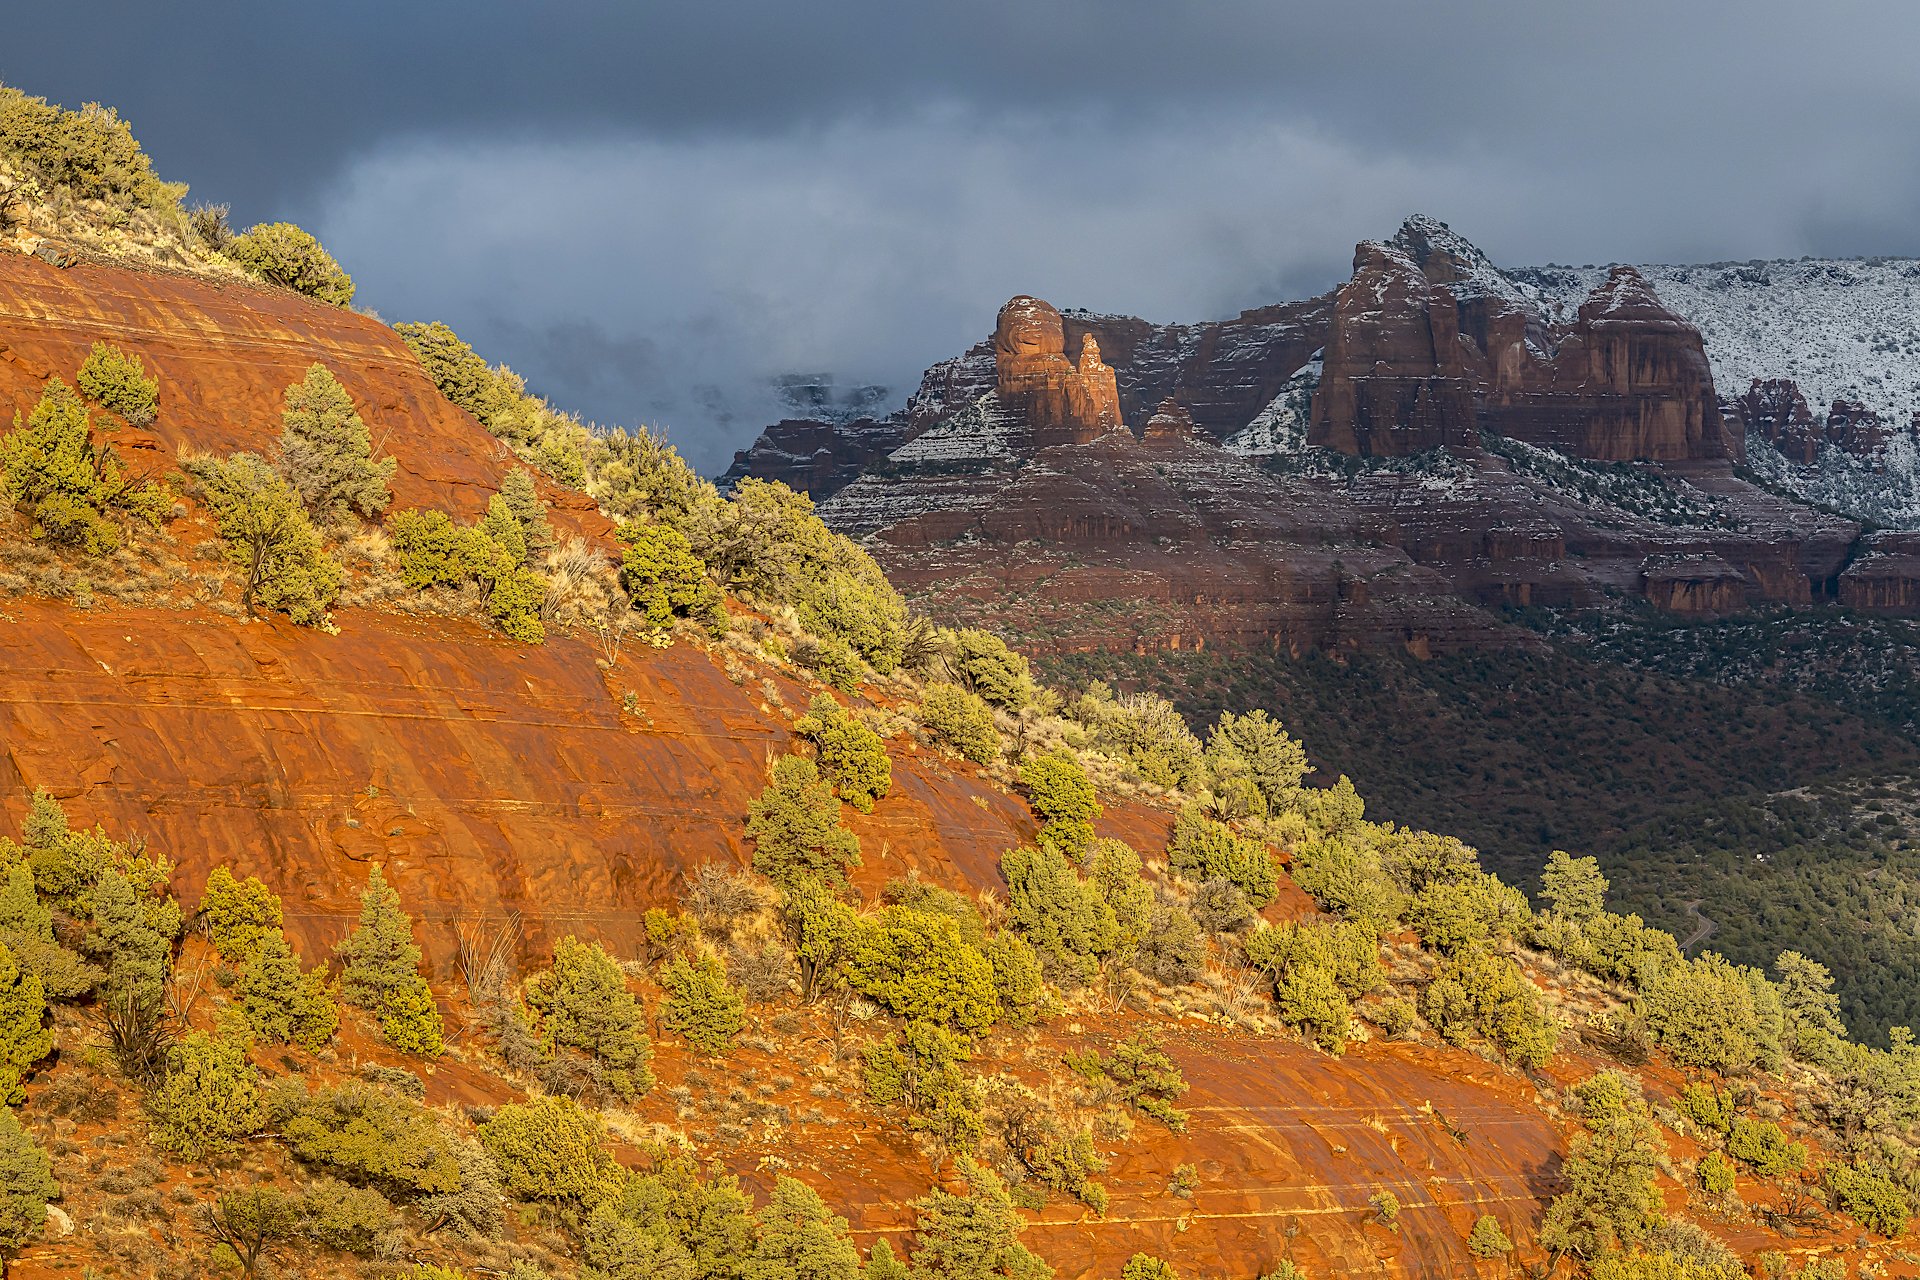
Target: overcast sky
x,y
652,210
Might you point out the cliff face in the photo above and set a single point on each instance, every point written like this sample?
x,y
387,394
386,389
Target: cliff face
x,y
1885,577
1431,344
1396,380
1143,544
1224,373
1608,468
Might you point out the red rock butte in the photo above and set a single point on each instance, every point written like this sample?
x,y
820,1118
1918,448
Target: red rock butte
x,y
1060,401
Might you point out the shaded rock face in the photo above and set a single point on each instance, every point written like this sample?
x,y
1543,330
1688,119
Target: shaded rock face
x,y
1856,429
1636,381
1170,421
1060,401
1885,576
1431,344
1167,542
1774,409
1396,380
1697,585
809,455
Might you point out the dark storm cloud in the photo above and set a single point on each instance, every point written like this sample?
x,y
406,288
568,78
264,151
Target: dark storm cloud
x,y
652,209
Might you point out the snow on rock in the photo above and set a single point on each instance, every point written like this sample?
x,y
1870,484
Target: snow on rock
x,y
1281,427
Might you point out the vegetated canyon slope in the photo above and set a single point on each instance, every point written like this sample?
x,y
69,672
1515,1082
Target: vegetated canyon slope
x,y
1385,466
486,777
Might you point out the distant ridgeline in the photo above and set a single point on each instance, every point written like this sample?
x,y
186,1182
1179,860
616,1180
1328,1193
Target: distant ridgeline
x,y
1387,466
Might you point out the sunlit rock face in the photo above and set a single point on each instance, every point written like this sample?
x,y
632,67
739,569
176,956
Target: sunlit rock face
x,y
1061,401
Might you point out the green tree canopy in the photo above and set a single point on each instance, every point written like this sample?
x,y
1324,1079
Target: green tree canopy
x,y
919,966
287,255
665,579
269,538
972,1236
72,489
1574,887
586,1006
800,1239
850,754
796,830
326,451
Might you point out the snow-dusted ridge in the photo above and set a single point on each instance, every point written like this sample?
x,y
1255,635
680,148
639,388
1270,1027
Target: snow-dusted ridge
x,y
1842,328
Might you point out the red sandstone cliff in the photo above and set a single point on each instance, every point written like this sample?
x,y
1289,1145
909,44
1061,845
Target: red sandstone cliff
x,y
1431,344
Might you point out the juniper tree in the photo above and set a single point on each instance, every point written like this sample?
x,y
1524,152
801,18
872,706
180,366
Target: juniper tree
x,y
1612,1200
116,380
701,1005
238,915
523,499
800,1239
972,1235
26,1185
1065,918
24,1036
209,1099
1202,849
1256,747
280,1002
133,934
981,663
664,578
850,754
70,488
26,930
326,451
796,830
1705,1014
550,1149
1487,1240
962,720
269,538
381,970
249,1224
920,967
882,1265
921,1070
585,1006
1574,886
1063,798
288,255
1812,1009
